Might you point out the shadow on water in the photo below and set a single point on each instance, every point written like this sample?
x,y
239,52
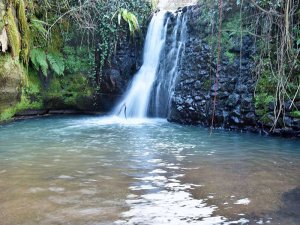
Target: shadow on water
x,y
291,205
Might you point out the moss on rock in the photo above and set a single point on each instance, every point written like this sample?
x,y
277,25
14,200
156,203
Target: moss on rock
x,y
71,91
24,28
11,82
13,33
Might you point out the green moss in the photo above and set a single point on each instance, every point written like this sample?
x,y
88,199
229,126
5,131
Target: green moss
x,y
28,86
78,59
265,119
230,56
33,87
24,28
68,90
207,84
13,33
231,31
2,13
265,88
295,114
262,102
24,104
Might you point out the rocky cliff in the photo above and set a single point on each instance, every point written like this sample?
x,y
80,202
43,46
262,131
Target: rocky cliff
x,y
197,90
11,81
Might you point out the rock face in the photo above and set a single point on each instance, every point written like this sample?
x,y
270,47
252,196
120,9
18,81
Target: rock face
x,y
116,75
198,94
11,80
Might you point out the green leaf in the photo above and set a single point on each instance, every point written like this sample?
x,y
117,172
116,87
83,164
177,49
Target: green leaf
x,y
56,62
39,60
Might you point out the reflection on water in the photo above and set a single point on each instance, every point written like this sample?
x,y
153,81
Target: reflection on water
x,y
86,170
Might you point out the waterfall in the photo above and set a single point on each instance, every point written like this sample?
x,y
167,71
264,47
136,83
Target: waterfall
x,y
169,68
152,87
136,100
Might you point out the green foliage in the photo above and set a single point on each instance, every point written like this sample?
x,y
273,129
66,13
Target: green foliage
x,y
295,114
56,62
130,19
68,91
263,100
230,56
154,3
42,61
207,84
24,28
13,33
38,58
1,24
38,32
78,59
264,93
24,104
30,97
2,13
266,82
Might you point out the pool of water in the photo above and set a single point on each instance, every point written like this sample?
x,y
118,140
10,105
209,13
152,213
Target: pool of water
x,y
89,170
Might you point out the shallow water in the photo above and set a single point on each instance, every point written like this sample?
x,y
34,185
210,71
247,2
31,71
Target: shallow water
x,y
86,170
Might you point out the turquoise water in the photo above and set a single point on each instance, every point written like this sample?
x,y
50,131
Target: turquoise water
x,y
89,170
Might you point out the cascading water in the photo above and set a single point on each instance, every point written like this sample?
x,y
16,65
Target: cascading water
x,y
169,68
153,85
136,100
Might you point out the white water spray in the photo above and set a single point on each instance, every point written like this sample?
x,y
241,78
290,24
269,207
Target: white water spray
x,y
136,100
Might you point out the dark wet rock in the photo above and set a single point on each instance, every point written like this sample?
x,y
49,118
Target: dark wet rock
x,y
233,99
117,74
198,85
31,113
58,112
233,95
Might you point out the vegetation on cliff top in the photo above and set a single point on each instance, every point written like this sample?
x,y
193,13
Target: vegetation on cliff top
x,y
65,44
275,27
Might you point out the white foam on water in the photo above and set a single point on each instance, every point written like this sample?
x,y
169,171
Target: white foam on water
x,y
177,176
173,167
57,189
36,190
154,160
91,211
152,178
158,171
92,191
260,221
170,207
142,187
65,177
240,222
244,201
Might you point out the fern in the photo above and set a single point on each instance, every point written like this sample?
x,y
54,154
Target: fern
x,y
56,62
130,19
39,60
38,31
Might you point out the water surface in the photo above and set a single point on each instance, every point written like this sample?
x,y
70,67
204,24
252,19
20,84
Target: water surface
x,y
89,170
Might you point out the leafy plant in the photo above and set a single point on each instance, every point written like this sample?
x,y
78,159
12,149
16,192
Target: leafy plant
x,y
38,31
56,62
39,60
24,28
295,114
130,19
